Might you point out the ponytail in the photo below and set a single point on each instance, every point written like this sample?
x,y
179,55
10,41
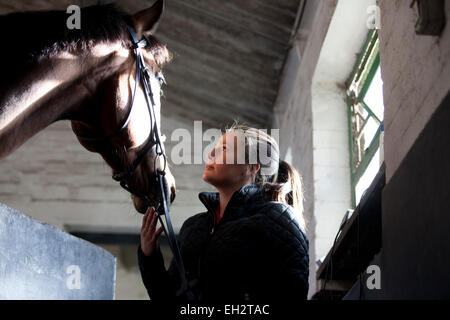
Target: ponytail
x,y
287,188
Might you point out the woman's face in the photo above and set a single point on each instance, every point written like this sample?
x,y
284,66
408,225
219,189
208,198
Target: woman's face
x,y
222,169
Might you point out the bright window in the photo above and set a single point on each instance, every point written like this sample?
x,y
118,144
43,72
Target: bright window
x,y
365,117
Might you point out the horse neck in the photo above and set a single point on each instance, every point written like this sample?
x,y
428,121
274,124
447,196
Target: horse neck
x,y
48,92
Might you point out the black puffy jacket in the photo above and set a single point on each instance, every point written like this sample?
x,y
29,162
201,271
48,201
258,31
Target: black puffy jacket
x,y
257,252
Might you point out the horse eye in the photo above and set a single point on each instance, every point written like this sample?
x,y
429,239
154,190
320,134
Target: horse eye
x,y
160,78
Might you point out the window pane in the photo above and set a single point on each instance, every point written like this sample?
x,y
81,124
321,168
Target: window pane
x,y
374,95
368,176
369,132
365,130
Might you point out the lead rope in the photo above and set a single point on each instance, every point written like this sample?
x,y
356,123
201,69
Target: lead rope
x,y
173,243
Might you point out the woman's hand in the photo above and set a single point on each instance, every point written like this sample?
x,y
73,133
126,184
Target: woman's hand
x,y
149,237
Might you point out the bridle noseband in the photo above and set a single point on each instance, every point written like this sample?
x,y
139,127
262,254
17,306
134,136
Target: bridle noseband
x,y
143,76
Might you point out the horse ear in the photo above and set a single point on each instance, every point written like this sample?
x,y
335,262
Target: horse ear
x,y
146,21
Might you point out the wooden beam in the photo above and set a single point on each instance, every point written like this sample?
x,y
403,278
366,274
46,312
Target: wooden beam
x,y
262,58
190,55
276,29
235,92
279,6
205,104
236,104
200,107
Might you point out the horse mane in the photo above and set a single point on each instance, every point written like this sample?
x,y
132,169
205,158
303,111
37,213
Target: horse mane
x,y
28,37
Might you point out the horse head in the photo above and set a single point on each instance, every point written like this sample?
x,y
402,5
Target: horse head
x,y
118,121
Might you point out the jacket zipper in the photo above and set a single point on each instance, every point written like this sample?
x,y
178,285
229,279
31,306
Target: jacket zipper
x,y
210,234
214,221
213,214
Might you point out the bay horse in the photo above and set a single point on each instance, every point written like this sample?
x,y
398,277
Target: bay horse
x,y
51,73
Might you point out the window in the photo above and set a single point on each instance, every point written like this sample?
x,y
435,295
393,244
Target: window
x,y
365,117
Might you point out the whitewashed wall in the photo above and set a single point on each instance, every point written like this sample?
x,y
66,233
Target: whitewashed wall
x,y
293,111
416,76
311,112
332,183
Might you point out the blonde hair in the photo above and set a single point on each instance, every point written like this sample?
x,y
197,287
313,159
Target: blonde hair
x,y
281,182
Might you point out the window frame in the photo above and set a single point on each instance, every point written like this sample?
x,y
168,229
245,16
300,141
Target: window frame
x,y
357,86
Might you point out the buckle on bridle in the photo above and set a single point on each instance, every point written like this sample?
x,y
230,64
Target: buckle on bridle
x,y
140,44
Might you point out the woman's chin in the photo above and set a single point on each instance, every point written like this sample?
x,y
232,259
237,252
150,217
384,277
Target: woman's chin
x,y
207,177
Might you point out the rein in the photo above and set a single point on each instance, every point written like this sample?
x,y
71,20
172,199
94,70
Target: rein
x,y
143,76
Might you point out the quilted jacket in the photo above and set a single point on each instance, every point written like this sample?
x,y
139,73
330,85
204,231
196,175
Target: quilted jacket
x,y
257,252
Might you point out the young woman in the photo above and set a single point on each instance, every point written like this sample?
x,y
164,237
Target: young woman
x,y
250,244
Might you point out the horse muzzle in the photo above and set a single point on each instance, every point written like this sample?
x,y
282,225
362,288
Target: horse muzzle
x,y
154,198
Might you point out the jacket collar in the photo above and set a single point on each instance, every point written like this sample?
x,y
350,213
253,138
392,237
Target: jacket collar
x,y
242,198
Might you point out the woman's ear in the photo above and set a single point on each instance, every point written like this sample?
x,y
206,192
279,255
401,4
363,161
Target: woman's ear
x,y
146,21
254,168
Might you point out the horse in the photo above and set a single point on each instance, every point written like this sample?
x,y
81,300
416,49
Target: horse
x,y
89,77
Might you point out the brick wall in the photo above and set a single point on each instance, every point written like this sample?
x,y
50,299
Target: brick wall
x,y
416,76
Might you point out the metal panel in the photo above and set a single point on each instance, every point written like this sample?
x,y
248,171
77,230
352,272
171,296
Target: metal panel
x,y
39,261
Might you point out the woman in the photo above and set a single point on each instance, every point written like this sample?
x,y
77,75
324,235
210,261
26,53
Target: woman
x,y
250,244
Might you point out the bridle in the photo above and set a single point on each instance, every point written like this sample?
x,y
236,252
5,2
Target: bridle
x,y
154,140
